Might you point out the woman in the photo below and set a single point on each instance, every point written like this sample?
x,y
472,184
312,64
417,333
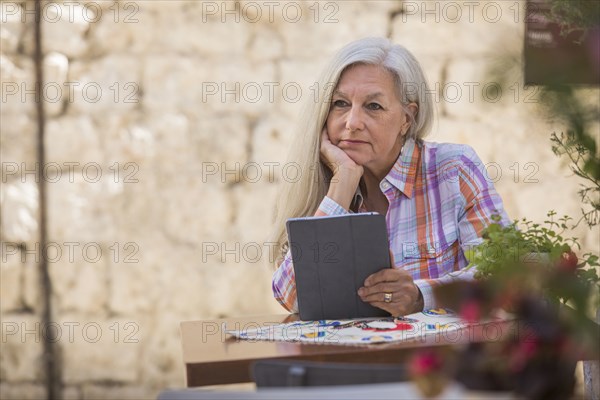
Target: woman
x,y
365,134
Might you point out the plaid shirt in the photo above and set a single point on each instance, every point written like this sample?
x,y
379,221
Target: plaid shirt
x,y
440,200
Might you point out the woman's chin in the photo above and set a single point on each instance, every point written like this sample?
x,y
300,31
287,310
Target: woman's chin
x,y
356,156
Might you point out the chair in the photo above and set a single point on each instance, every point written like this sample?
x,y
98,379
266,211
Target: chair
x,y
379,391
280,373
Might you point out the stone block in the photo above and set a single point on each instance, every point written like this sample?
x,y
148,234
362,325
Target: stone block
x,y
18,141
242,87
32,294
21,348
79,280
247,278
71,393
254,217
164,139
271,140
266,44
472,90
22,391
65,25
221,139
125,27
135,37
19,208
205,86
100,349
300,87
129,141
186,28
139,211
173,85
258,300
456,29
160,361
79,206
11,275
109,85
190,204
125,392
56,93
304,25
131,279
74,139
18,85
20,281
11,14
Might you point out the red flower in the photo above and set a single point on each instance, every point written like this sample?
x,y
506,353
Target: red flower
x,y
425,363
471,311
568,262
526,349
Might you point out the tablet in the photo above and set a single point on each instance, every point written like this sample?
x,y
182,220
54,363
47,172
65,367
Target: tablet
x,y
332,257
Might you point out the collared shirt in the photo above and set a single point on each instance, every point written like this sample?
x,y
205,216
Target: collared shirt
x,y
440,200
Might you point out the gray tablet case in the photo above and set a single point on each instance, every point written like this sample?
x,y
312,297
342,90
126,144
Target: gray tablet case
x,y
332,257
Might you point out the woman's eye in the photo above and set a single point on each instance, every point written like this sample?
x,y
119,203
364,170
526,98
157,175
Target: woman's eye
x,y
339,103
374,106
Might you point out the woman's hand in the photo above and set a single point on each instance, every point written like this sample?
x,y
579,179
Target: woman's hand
x,y
346,173
335,158
405,295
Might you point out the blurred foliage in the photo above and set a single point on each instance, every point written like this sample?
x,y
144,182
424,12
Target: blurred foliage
x,y
586,165
530,271
574,14
578,144
574,106
537,259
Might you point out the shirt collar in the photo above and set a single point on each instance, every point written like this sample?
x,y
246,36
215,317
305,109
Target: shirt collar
x,y
402,175
357,201
404,172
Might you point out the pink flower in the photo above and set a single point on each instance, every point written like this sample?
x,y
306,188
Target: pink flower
x,y
471,311
425,363
568,262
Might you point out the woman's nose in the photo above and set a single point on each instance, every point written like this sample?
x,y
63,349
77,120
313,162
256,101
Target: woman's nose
x,y
354,119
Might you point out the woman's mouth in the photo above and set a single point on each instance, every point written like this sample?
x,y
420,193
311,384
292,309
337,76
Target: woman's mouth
x,y
349,141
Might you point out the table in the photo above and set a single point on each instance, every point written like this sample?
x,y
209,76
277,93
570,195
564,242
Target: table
x,y
213,358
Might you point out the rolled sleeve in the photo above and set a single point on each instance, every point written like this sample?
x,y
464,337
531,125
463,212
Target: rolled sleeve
x,y
427,292
331,207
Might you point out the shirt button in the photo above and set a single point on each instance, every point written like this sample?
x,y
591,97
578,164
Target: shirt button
x,y
385,185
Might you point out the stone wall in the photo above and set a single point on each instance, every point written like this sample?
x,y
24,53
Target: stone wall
x,y
159,116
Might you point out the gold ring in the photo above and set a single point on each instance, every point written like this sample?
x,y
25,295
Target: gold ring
x,y
387,297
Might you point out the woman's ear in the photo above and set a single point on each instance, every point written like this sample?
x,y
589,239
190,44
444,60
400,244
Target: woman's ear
x,y
412,110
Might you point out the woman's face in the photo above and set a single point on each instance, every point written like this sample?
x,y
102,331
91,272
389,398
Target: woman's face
x,y
366,119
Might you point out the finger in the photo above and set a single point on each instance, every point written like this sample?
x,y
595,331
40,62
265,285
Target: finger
x,y
398,298
410,291
387,275
384,287
394,309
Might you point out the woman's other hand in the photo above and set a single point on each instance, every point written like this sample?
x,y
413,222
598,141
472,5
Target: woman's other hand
x,y
403,296
346,173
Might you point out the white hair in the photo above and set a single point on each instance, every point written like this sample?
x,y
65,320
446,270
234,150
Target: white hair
x,y
302,197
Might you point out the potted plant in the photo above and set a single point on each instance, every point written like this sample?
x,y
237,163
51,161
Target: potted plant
x,y
532,271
